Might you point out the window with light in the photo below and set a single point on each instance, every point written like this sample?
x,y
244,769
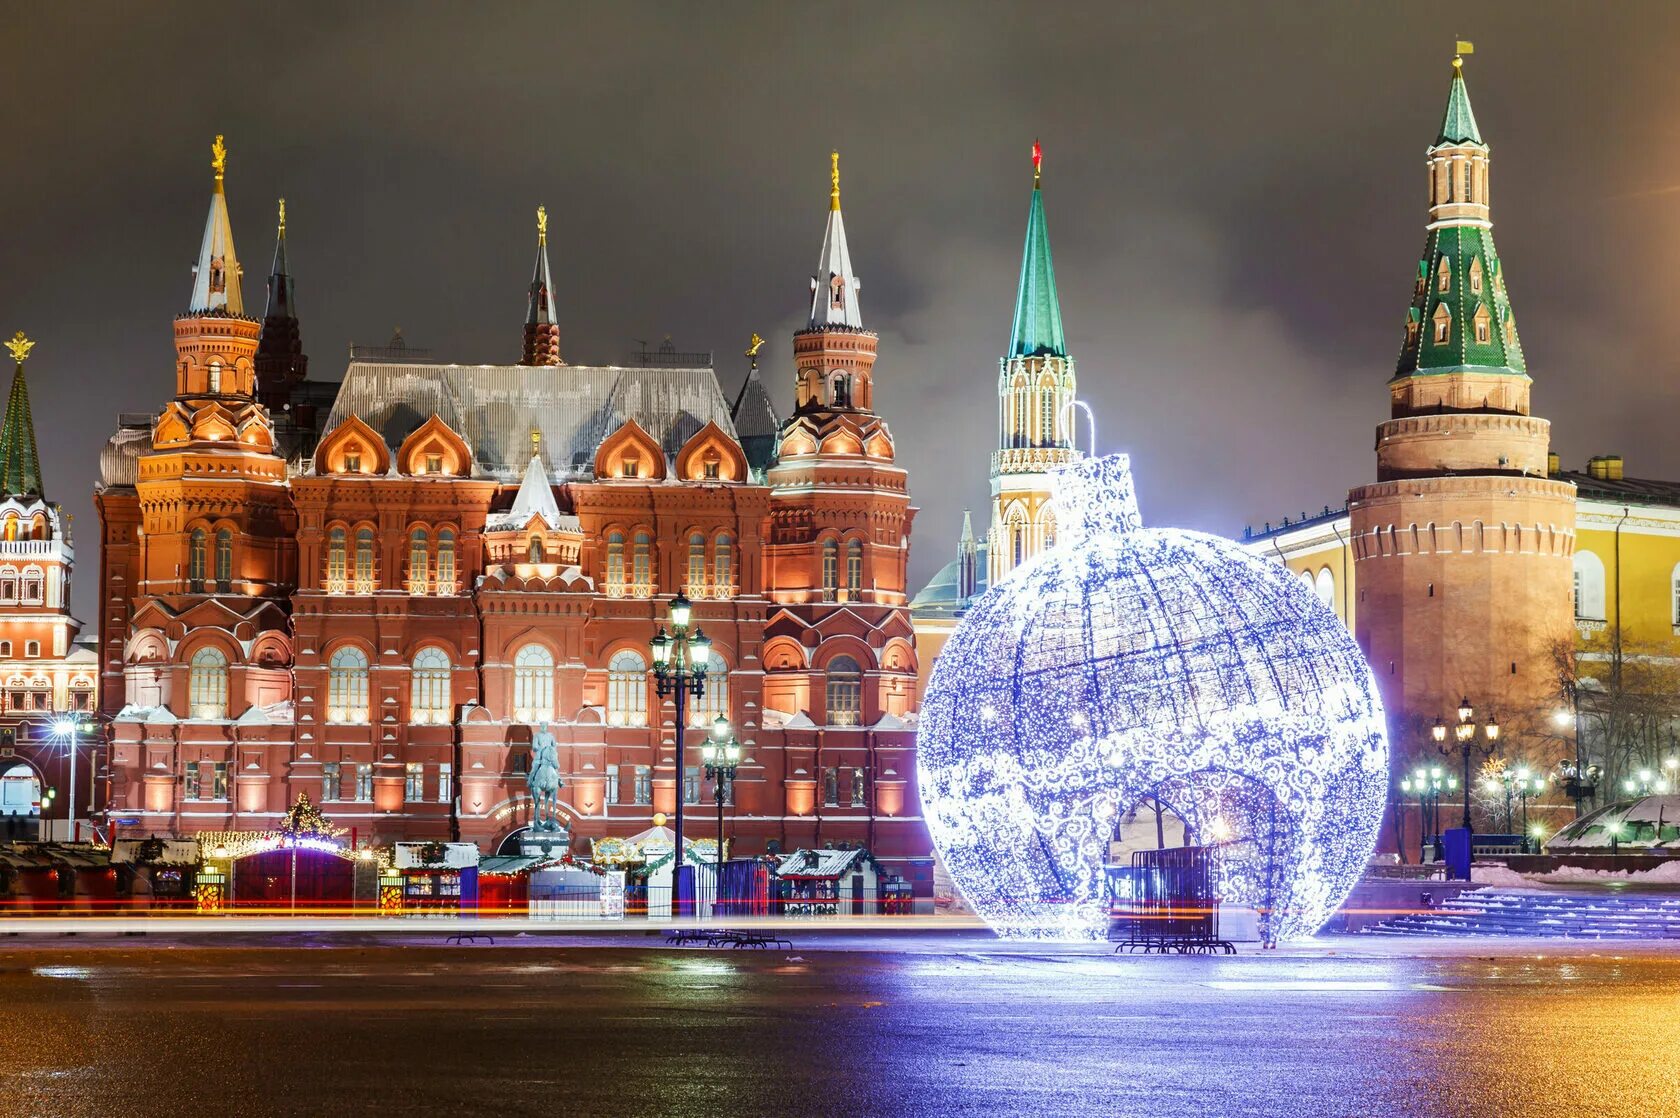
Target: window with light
x,y
429,691
627,688
533,684
347,686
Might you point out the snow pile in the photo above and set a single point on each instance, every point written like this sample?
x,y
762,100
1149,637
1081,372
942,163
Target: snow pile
x,y
1497,875
1668,873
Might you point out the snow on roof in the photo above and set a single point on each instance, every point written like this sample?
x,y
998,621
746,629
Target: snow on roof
x,y
496,407
818,863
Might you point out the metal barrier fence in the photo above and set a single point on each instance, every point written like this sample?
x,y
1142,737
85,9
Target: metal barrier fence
x,y
1165,901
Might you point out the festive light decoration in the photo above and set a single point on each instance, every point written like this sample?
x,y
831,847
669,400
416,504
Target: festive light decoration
x,y
1129,664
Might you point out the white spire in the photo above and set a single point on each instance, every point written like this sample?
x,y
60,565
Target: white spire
x,y
535,497
216,276
834,289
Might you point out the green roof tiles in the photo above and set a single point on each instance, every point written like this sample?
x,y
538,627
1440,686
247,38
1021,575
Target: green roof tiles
x,y
1038,314
1458,126
1460,317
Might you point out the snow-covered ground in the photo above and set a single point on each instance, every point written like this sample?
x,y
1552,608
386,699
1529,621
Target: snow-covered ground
x,y
1666,874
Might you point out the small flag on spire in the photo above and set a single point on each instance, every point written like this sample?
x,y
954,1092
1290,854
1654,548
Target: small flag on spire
x,y
1038,161
1465,46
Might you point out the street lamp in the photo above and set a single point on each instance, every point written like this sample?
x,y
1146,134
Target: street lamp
x,y
1427,785
1465,735
62,729
722,756
680,659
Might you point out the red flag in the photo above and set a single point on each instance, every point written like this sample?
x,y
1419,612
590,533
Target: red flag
x,y
1038,159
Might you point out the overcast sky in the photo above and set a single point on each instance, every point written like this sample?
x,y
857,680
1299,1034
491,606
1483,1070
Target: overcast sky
x,y
1236,198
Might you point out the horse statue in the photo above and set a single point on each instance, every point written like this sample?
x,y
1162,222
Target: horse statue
x,y
544,780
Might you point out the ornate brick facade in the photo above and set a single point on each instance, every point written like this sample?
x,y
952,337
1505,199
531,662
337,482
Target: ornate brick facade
x,y
472,551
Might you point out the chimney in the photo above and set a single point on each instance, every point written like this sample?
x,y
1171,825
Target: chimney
x,y
1554,465
1605,467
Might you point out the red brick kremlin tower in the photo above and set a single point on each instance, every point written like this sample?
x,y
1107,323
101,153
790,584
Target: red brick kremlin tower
x,y
1463,546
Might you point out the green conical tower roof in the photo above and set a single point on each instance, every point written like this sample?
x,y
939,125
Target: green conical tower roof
x,y
1458,126
20,464
1038,313
1460,319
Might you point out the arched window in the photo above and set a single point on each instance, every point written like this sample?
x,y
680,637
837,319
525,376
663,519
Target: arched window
x,y
1325,587
1017,539
723,567
338,573
364,561
627,688
418,561
196,546
715,699
841,397
533,684
696,566
854,569
11,527
1049,524
845,692
615,564
32,582
446,561
8,585
534,550
1589,587
207,684
429,693
1443,323
215,366
1046,416
642,566
830,570
347,685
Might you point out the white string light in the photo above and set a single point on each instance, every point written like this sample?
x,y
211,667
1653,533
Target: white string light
x,y
1128,664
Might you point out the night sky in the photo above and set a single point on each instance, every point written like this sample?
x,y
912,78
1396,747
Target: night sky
x,y
1236,197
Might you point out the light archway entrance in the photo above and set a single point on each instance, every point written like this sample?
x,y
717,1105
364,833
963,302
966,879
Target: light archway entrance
x,y
20,803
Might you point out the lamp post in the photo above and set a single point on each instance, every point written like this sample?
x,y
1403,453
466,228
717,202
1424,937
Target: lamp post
x,y
1465,734
1427,784
67,728
680,659
722,756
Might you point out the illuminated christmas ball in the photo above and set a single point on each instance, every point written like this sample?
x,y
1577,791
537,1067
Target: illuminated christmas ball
x,y
1129,665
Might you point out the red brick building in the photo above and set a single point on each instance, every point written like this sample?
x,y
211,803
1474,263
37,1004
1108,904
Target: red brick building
x,y
382,620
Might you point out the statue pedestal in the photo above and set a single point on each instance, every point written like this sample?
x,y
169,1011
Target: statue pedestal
x,y
544,844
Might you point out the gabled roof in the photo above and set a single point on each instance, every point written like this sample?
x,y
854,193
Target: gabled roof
x,y
818,863
756,423
534,499
496,407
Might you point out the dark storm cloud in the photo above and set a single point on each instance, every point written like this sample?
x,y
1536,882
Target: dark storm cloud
x,y
1235,197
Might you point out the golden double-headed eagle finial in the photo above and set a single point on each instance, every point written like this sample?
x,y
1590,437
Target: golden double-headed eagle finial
x,y
542,225
20,347
218,157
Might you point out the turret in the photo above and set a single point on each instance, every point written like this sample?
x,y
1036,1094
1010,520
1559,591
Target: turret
x,y
1461,363
20,464
542,324
834,354
215,343
1036,386
280,359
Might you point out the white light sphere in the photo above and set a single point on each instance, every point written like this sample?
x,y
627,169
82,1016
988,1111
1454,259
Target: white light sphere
x,y
1127,664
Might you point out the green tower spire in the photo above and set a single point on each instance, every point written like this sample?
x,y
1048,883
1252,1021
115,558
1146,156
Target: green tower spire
x,y
1038,314
1460,318
1458,126
20,465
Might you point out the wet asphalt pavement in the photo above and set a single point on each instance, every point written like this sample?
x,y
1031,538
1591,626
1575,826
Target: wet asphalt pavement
x,y
953,1025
